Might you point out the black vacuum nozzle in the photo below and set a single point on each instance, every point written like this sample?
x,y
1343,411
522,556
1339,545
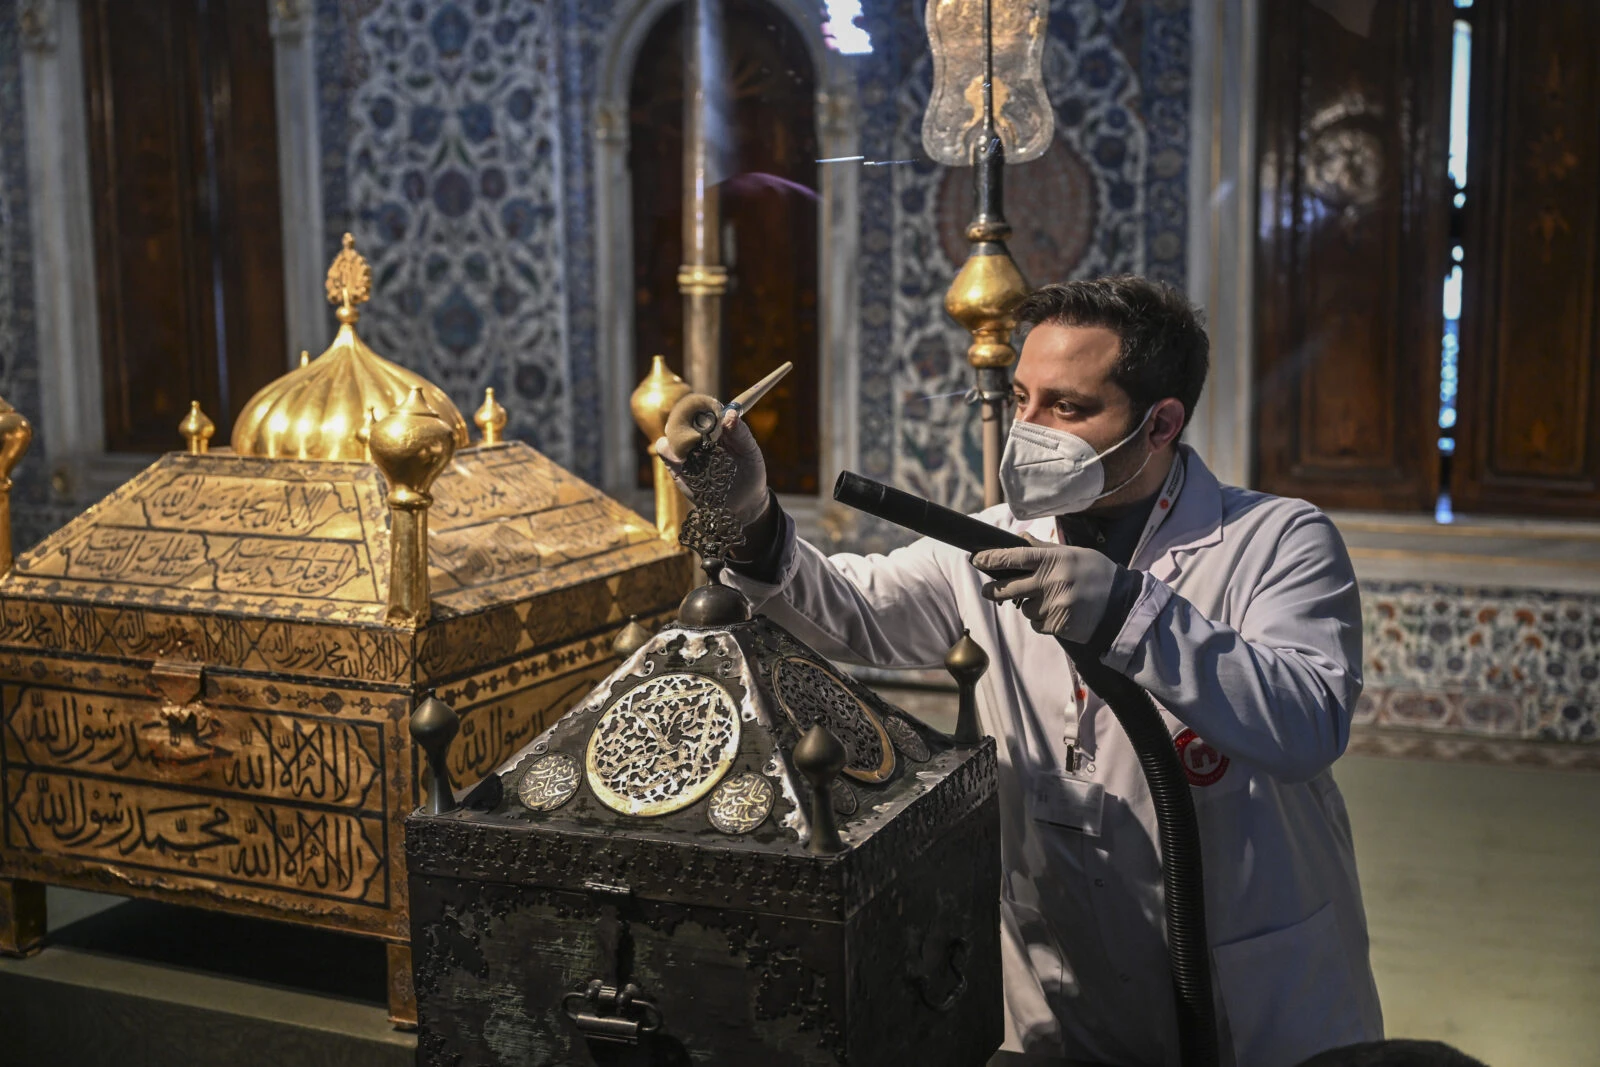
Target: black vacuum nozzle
x,y
921,516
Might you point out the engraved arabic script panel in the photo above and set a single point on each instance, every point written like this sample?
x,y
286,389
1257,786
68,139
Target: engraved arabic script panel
x,y
281,755
317,853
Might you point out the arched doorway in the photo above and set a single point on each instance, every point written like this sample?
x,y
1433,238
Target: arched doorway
x,y
770,223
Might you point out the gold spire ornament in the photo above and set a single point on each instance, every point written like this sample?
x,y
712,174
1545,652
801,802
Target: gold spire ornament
x,y
651,403
16,433
411,446
491,419
197,429
316,411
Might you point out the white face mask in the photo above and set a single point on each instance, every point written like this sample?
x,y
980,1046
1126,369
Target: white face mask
x,y
1045,471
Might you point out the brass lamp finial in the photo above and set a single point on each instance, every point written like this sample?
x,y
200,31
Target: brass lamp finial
x,y
651,403
349,282
197,429
411,447
16,433
491,419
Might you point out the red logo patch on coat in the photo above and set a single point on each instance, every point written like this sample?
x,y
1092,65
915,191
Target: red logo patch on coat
x,y
1202,764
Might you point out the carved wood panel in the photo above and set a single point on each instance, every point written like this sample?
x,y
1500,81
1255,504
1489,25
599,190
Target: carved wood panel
x,y
1350,251
1529,437
188,242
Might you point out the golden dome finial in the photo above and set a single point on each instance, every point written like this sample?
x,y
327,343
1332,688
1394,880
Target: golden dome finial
x,y
651,403
197,429
317,410
491,419
349,282
653,400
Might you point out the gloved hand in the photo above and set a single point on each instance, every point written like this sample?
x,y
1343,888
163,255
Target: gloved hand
x,y
1062,590
747,496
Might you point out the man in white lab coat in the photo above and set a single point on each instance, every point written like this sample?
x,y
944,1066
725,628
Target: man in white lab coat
x,y
1236,610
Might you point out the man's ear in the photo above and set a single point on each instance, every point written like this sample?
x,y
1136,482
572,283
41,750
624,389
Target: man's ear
x,y
1166,422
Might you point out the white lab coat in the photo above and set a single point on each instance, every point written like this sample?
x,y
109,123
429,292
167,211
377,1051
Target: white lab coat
x,y
1248,632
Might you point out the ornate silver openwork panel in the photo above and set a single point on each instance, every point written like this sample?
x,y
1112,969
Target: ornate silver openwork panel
x,y
549,782
741,804
906,739
663,744
811,694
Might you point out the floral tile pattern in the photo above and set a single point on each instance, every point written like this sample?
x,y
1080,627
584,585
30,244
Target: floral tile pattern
x,y
443,120
1488,662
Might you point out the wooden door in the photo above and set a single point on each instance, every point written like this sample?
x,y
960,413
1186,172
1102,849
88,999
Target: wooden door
x,y
1529,433
188,241
769,209
1351,250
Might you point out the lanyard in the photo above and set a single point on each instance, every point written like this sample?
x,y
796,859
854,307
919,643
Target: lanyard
x,y
1158,514
1162,507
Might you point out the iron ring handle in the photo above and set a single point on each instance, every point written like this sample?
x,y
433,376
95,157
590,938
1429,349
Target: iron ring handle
x,y
957,957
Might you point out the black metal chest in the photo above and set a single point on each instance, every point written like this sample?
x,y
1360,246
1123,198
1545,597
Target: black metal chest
x,y
642,884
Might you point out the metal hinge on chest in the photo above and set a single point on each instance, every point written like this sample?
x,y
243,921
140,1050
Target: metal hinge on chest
x,y
178,681
608,1008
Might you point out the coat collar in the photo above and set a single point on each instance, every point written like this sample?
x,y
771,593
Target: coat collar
x,y
1195,522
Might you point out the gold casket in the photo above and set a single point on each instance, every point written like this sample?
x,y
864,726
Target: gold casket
x,y
205,679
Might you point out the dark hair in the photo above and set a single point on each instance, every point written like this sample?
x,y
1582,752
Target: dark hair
x,y
1164,348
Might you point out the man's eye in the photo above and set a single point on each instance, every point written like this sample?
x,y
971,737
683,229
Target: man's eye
x,y
1019,399
1064,409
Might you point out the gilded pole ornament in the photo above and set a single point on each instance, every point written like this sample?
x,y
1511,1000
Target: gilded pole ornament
x,y
411,446
16,432
651,403
988,103
197,429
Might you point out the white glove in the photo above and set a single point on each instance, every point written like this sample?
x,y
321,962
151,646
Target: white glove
x,y
747,496
1061,589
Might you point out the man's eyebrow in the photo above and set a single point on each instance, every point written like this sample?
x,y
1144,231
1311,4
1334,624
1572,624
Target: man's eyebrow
x,y
1072,396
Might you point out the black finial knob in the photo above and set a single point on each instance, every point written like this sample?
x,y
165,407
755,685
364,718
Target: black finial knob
x,y
820,757
966,661
630,639
711,607
433,727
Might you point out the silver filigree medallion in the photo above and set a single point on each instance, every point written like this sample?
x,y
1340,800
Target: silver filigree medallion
x,y
741,803
663,744
549,782
809,694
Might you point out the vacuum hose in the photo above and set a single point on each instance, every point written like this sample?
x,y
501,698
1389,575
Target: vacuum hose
x,y
1176,824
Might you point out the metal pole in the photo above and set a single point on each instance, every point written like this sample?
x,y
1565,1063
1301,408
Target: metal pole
x,y
702,279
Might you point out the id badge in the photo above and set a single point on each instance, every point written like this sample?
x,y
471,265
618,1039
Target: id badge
x,y
1065,801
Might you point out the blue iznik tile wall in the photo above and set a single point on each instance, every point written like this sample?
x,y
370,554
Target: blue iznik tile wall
x,y
442,152
458,147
